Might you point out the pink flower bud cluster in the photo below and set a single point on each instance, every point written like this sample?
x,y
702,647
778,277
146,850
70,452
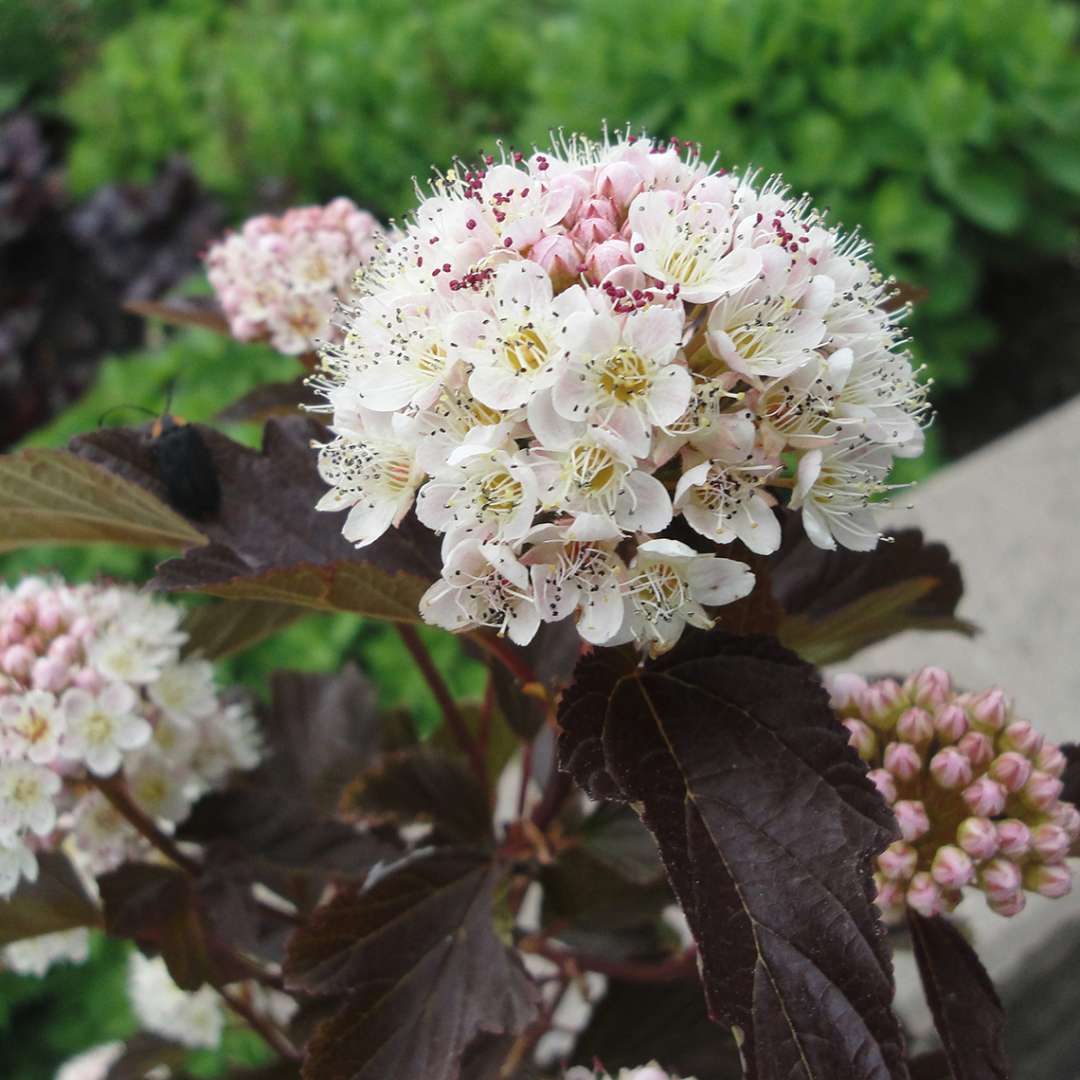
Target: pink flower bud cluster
x,y
92,684
279,278
976,792
564,351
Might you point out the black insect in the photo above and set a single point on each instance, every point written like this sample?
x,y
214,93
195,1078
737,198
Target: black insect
x,y
183,463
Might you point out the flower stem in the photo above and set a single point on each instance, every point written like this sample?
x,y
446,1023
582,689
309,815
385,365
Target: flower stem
x,y
270,1033
506,654
118,795
454,720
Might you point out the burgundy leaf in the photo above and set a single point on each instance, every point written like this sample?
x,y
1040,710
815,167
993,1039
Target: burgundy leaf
x,y
767,826
56,901
931,1066
421,970
1071,776
967,1012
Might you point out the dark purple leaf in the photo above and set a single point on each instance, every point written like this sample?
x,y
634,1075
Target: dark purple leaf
x,y
615,837
421,970
767,826
1071,776
56,901
967,1012
268,542
931,1066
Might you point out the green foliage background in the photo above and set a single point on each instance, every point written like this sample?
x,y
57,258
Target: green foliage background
x,y
950,129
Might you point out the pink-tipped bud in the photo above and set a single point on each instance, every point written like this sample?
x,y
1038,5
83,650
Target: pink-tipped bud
x,y
846,689
1011,770
64,648
978,837
559,256
924,895
880,702
950,768
1050,842
23,612
929,687
619,181
903,761
862,738
1000,878
885,782
1021,737
1052,881
608,256
977,748
989,710
49,674
952,868
984,797
48,617
1051,760
82,627
890,894
1008,906
915,727
1067,817
951,723
88,679
17,661
912,819
1014,838
898,861
1041,790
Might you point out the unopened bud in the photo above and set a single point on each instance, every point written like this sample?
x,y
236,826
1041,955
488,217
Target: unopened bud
x,y
978,837
1011,770
885,782
1050,842
977,748
952,868
984,797
890,894
619,181
898,861
1021,737
929,687
1014,838
989,710
912,819
862,738
64,648
880,701
1041,790
608,256
845,690
1068,818
1052,881
924,895
1000,878
950,768
915,727
559,256
1007,905
902,760
88,679
1051,760
49,674
951,723
17,661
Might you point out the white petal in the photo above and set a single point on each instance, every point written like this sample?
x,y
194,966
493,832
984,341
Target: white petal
x,y
645,506
368,521
670,393
717,581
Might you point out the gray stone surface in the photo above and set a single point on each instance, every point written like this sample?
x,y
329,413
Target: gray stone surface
x,y
1010,515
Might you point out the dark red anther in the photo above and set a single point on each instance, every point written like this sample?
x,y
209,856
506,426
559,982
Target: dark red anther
x,y
638,248
471,223
508,242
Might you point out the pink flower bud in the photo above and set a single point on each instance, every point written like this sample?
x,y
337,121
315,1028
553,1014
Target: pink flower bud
x,y
48,617
915,727
984,797
64,649
951,723
1021,737
1041,790
17,661
23,612
1007,905
1052,881
978,837
950,768
846,690
1014,838
898,861
924,895
902,760
590,231
1000,878
880,701
88,679
890,895
49,674
1051,760
977,748
929,687
862,738
605,257
1011,770
989,710
885,782
1068,818
1050,842
952,868
620,182
912,819
82,627
559,256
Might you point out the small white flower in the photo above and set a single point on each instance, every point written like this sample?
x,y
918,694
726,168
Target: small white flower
x,y
100,727
196,1019
34,956
101,837
31,726
454,420
27,800
185,691
228,740
17,861
668,584
159,786
92,1064
483,585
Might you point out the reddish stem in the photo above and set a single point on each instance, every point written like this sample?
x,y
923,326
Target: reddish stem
x,y
274,1038
454,720
507,654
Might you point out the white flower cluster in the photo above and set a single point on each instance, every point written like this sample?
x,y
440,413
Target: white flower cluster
x,y
34,956
652,1071
280,277
561,353
92,682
